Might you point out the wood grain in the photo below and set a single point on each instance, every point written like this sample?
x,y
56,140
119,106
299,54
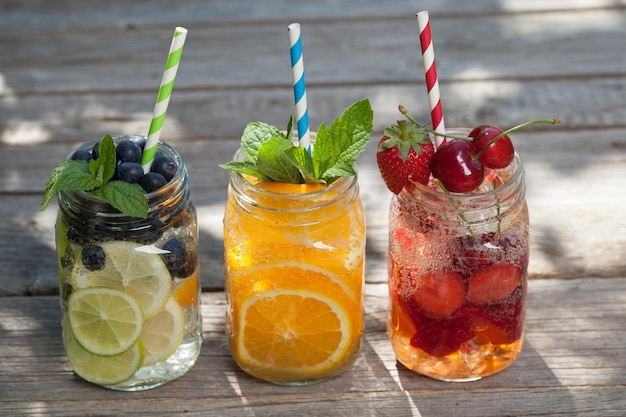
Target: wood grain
x,y
568,367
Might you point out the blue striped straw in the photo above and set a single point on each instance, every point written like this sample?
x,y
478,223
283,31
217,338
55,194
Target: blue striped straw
x,y
163,98
299,87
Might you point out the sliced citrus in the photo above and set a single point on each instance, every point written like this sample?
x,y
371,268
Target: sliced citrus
x,y
297,330
294,275
163,333
103,370
104,321
140,274
186,291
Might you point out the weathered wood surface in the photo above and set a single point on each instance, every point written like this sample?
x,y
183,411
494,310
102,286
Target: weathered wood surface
x,y
573,363
72,70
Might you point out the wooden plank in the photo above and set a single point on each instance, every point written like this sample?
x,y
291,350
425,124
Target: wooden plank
x,y
41,15
573,363
220,114
359,52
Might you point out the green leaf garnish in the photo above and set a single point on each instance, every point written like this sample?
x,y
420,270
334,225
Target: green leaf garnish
x,y
272,155
94,177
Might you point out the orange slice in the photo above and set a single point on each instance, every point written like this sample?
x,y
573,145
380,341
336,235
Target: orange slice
x,y
294,275
186,291
300,331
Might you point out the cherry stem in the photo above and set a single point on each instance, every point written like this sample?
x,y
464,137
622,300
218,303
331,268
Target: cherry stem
x,y
405,112
513,129
456,207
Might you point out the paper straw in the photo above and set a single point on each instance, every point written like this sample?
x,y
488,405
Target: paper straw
x,y
163,98
432,83
299,87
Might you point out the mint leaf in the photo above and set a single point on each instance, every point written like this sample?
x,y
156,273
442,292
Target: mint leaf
x,y
70,175
128,198
254,135
275,162
340,169
244,168
346,139
272,155
304,163
103,168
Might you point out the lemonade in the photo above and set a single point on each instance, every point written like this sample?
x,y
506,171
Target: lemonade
x,y
129,285
294,247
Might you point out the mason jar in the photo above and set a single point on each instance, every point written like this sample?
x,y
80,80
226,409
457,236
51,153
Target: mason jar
x,y
294,268
148,272
458,267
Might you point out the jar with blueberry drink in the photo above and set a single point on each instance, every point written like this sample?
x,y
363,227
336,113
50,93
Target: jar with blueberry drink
x,y
128,268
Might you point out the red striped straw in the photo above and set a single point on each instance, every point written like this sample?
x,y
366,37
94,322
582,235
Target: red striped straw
x,y
432,83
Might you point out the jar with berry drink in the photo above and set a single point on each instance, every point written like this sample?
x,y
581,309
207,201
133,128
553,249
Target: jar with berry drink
x,y
458,258
128,278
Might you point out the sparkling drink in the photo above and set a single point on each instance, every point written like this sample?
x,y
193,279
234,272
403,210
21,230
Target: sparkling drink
x,y
129,287
458,276
294,260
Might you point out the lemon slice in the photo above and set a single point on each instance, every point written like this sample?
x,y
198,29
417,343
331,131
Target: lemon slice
x,y
103,370
163,333
105,321
140,274
297,330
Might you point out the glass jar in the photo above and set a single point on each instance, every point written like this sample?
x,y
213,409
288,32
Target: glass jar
x,y
151,263
294,266
457,268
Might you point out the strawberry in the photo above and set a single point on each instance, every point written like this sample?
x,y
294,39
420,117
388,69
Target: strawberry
x,y
439,294
493,283
404,155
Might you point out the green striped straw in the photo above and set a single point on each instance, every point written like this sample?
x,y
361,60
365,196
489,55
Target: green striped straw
x,y
163,99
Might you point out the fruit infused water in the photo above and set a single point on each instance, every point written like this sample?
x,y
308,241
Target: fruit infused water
x,y
128,281
294,254
458,273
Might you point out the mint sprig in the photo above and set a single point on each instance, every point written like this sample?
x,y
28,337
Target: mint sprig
x,y
94,177
272,155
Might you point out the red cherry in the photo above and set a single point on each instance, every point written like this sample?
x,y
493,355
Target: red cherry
x,y
496,155
452,164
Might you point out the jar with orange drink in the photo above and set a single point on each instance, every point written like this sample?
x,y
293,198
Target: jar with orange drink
x,y
294,254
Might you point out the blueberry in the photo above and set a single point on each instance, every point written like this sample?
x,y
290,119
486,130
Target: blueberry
x,y
152,182
94,150
81,155
139,141
93,257
165,165
130,172
128,151
179,261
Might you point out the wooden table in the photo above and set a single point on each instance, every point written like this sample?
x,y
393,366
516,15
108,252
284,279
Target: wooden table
x,y
73,70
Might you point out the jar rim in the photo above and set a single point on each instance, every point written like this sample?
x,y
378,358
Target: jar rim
x,y
154,197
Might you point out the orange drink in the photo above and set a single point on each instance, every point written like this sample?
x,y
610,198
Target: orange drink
x,y
294,261
294,247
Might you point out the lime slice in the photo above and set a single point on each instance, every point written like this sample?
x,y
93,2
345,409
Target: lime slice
x,y
104,321
140,274
103,370
163,333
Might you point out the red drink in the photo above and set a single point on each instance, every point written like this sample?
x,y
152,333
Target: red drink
x,y
458,275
